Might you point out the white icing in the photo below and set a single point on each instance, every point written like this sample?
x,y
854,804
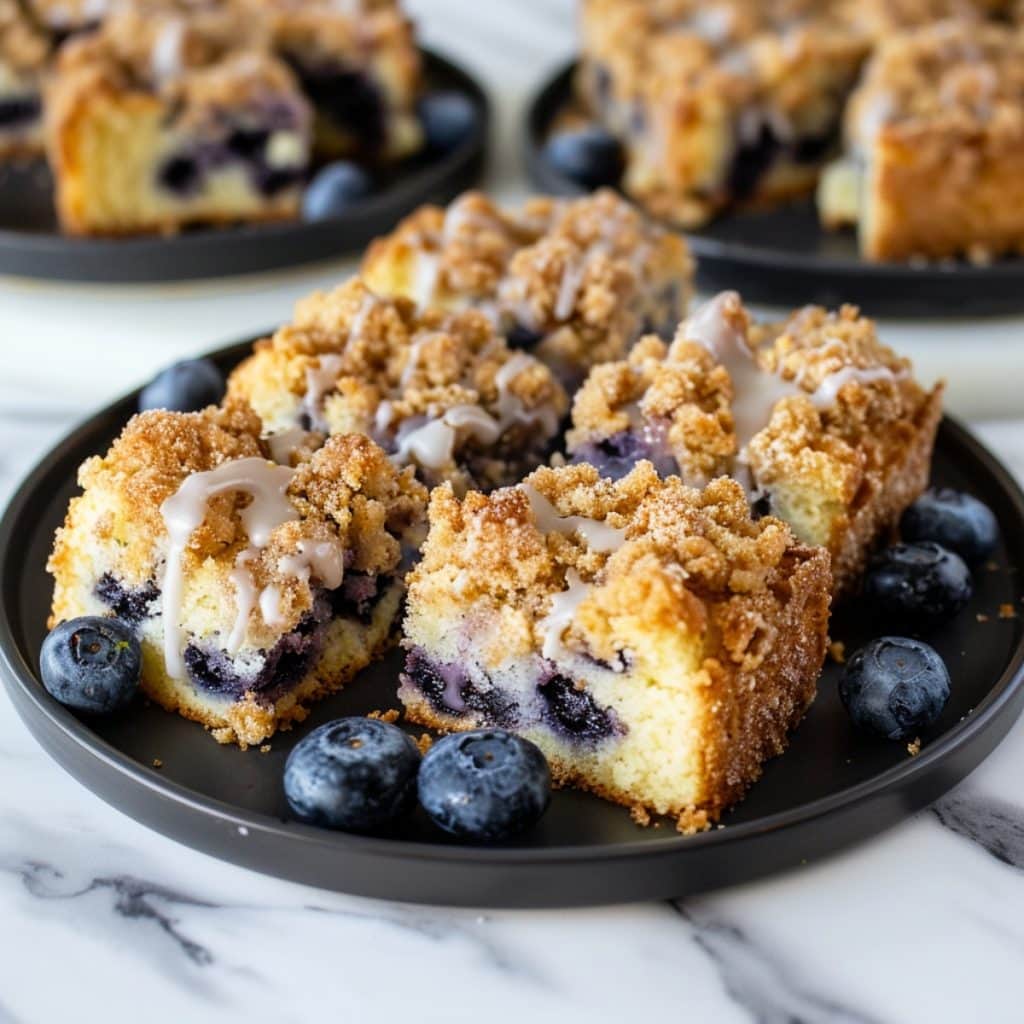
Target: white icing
x,y
322,560
359,320
285,149
412,363
270,607
559,618
167,55
283,443
319,381
383,417
599,535
474,421
433,444
510,406
185,510
569,287
245,599
826,394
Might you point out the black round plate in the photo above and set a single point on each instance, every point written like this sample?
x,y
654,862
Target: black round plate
x,y
832,788
783,257
31,244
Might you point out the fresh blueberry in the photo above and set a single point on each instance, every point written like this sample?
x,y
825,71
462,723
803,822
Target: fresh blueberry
x,y
91,664
448,118
918,583
334,190
486,784
356,774
955,520
184,387
895,686
590,157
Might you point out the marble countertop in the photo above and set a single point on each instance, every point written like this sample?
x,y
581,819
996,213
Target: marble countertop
x,y
104,920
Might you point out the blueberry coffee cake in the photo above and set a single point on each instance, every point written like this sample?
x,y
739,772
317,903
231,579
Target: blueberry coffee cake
x,y
823,424
174,113
717,104
655,641
939,115
24,52
437,390
359,65
254,588
575,283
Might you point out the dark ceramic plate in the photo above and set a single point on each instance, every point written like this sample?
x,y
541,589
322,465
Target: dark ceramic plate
x,y
31,244
832,788
784,257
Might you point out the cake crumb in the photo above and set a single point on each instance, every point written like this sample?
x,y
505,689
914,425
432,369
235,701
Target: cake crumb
x,y
640,815
837,651
425,741
1007,611
981,618
157,763
391,716
265,749
914,746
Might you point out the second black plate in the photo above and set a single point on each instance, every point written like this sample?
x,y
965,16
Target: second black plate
x,y
783,257
31,244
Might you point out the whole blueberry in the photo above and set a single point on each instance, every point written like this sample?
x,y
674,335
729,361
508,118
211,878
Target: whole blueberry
x,y
356,774
918,583
91,664
486,784
184,387
448,119
590,156
334,190
956,520
895,687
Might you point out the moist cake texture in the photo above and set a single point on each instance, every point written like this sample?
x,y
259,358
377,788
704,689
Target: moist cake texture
x,y
255,588
437,390
175,113
823,424
573,282
934,162
654,640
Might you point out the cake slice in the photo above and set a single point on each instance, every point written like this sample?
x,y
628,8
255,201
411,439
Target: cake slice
x,y
574,283
732,102
360,67
934,163
655,641
255,588
174,113
439,391
823,424
24,54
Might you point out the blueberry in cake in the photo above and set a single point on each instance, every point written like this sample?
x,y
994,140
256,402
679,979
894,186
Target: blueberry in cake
x,y
254,588
174,113
822,423
574,283
655,641
939,116
359,65
440,391
731,102
24,53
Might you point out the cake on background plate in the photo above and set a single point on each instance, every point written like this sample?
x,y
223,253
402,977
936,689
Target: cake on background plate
x,y
823,424
655,641
255,588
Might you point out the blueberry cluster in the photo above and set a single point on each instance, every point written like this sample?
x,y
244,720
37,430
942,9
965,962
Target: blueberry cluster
x,y
897,686
362,774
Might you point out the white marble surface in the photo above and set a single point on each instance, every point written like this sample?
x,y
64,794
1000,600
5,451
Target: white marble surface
x,y
105,921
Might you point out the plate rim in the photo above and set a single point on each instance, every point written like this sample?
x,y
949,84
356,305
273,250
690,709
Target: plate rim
x,y
21,682
540,172
466,159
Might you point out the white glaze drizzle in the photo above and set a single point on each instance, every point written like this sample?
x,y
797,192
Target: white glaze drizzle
x,y
826,394
428,272
559,618
167,55
185,510
319,381
322,560
599,535
283,443
270,607
511,409
245,599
